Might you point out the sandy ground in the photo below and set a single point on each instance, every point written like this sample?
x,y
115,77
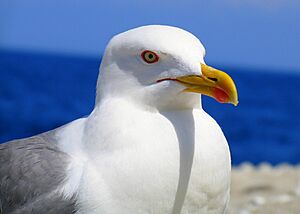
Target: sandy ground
x,y
265,189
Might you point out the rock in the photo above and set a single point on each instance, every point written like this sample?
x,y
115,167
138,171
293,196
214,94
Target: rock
x,y
265,189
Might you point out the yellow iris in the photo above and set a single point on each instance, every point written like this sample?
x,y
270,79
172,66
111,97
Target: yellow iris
x,y
149,56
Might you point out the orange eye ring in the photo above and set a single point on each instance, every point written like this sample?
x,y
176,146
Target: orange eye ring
x,y
149,56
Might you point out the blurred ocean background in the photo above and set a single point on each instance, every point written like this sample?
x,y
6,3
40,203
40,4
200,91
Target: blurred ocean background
x,y
50,53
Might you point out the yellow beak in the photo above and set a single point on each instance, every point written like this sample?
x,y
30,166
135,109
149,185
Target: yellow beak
x,y
213,83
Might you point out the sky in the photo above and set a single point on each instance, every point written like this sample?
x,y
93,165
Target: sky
x,y
242,33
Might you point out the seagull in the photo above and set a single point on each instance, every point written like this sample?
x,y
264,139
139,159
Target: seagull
x,y
147,146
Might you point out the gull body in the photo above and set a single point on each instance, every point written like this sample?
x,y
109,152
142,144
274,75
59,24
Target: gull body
x,y
147,147
170,161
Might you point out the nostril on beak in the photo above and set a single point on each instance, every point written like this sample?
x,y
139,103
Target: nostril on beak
x,y
212,79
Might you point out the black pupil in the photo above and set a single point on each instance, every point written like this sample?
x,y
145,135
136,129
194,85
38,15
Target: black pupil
x,y
150,56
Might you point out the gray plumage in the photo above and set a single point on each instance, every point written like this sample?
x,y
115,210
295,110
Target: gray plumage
x,y
30,169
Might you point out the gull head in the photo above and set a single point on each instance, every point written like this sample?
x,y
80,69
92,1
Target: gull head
x,y
161,67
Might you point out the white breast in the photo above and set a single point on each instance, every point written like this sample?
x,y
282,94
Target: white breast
x,y
209,186
136,159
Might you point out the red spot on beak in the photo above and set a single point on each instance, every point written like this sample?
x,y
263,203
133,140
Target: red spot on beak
x,y
220,95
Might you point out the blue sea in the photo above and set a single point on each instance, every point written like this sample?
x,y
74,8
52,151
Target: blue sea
x,y
39,92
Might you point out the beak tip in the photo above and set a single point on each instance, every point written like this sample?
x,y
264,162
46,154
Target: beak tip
x,y
235,103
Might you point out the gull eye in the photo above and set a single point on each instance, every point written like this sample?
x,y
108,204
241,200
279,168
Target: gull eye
x,y
149,56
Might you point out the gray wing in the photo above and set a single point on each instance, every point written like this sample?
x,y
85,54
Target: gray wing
x,y
30,169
